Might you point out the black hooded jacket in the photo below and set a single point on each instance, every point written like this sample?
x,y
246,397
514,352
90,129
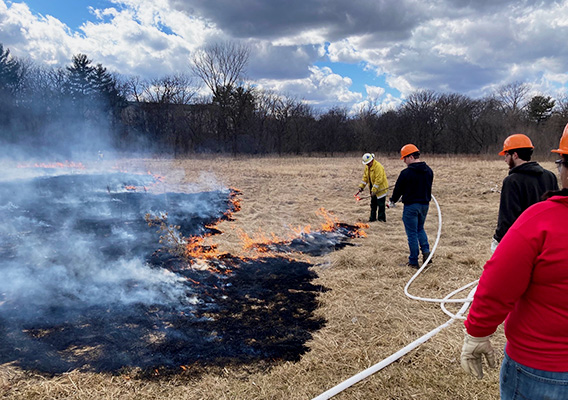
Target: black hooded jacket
x,y
414,184
523,187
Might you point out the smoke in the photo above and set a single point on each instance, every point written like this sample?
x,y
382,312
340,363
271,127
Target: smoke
x,y
87,284
75,241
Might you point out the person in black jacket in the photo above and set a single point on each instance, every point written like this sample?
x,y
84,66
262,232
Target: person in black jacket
x,y
524,186
414,185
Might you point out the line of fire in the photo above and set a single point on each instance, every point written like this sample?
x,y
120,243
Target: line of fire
x,y
102,272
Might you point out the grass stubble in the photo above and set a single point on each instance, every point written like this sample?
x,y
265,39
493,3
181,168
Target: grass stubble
x,y
368,315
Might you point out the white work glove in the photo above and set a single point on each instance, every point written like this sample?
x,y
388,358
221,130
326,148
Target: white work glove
x,y
494,244
472,350
390,204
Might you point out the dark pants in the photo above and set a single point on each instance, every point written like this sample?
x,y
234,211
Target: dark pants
x,y
380,204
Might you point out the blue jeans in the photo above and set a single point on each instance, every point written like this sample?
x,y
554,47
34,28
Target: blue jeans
x,y
518,382
413,217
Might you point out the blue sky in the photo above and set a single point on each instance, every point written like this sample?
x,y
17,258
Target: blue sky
x,y
73,13
336,53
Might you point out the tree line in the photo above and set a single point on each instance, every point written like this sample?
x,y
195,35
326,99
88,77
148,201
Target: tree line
x,y
211,109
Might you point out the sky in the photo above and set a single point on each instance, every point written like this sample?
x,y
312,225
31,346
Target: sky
x,y
328,53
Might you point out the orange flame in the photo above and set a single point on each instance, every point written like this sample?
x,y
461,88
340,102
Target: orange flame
x,y
258,241
133,188
193,281
261,241
235,201
196,248
360,232
331,221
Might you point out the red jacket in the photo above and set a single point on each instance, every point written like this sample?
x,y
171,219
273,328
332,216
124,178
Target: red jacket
x,y
526,283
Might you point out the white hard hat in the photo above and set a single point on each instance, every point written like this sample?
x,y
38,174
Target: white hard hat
x,y
367,158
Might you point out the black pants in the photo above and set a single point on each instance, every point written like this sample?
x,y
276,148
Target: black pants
x,y
381,205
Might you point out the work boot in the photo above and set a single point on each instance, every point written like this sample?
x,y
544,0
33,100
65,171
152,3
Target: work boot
x,y
407,264
425,257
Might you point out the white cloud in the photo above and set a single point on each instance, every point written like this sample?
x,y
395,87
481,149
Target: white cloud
x,y
343,51
129,39
25,34
462,46
374,91
390,102
379,105
401,84
312,36
322,88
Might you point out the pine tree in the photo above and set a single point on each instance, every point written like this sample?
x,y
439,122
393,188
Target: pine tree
x,y
79,82
10,71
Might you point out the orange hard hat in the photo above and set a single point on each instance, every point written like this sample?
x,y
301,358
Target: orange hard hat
x,y
516,141
407,150
563,148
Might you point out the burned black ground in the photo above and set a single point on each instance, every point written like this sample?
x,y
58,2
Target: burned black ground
x,y
66,236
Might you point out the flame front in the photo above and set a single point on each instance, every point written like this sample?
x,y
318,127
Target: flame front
x,y
259,241
195,248
331,221
262,242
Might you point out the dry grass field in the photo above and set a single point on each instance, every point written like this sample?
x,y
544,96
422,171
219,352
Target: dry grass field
x,y
368,315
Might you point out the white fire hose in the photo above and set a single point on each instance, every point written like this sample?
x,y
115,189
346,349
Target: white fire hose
x,y
392,358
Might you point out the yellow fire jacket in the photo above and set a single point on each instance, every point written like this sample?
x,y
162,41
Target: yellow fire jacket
x,y
376,178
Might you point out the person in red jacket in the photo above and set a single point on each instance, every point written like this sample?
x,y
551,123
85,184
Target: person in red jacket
x,y
525,284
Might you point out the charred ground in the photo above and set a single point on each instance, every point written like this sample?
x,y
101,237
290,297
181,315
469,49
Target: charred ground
x,y
222,310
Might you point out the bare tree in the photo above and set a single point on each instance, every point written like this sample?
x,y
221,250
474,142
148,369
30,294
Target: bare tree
x,y
171,89
425,113
45,88
221,65
513,96
561,106
133,88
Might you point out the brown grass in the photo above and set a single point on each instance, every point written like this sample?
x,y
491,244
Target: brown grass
x,y
368,316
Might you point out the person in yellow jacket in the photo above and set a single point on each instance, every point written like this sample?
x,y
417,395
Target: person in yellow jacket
x,y
375,177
